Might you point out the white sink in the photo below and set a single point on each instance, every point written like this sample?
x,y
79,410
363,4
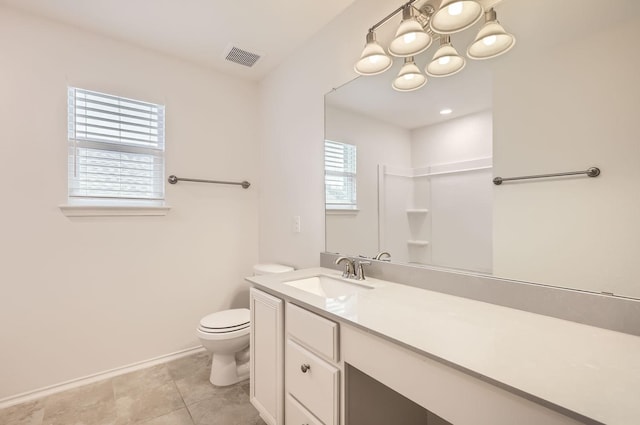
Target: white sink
x,y
328,287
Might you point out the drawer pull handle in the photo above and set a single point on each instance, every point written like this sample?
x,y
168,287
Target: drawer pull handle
x,y
304,368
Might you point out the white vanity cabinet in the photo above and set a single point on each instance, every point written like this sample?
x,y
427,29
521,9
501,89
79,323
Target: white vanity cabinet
x,y
308,368
307,355
267,337
312,376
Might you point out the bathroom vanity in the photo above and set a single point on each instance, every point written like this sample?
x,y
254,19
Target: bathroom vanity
x,y
325,350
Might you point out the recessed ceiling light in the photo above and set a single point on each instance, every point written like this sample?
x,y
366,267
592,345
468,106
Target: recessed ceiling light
x,y
446,111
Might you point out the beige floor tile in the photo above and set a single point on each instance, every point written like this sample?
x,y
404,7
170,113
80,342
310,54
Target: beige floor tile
x,y
140,380
197,387
153,396
90,415
147,403
179,417
91,404
30,413
224,411
190,365
246,386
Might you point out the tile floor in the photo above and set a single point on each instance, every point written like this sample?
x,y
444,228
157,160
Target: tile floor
x,y
175,393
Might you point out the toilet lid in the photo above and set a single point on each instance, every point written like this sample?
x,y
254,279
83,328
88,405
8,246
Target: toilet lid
x,y
226,320
269,268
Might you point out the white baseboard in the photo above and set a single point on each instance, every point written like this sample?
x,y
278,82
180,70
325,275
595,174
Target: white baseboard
x,y
78,382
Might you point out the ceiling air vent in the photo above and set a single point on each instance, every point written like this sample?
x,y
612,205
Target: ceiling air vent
x,y
242,57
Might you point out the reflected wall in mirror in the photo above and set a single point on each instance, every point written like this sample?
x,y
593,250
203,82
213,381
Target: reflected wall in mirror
x,y
565,98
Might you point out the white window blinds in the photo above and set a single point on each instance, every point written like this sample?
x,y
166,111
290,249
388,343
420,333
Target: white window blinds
x,y
116,147
340,175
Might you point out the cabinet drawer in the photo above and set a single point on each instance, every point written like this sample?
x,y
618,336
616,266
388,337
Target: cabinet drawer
x,y
296,414
317,387
316,332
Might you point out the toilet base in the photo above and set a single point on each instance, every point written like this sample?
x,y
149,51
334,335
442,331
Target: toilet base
x,y
225,371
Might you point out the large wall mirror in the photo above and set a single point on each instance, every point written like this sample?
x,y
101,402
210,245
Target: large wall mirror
x,y
565,98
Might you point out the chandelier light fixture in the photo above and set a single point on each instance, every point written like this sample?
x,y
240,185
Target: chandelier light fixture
x,y
418,29
446,61
374,60
492,40
409,78
410,38
455,16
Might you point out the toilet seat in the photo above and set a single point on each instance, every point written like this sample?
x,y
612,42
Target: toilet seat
x,y
226,322
204,334
222,331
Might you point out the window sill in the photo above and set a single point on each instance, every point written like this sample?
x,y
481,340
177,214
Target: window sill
x,y
342,211
71,210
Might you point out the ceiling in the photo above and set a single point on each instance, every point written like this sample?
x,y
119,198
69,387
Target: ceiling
x,y
199,31
465,93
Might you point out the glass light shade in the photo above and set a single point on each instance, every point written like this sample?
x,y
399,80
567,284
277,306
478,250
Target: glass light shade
x,y
445,62
409,78
455,16
410,38
492,40
373,60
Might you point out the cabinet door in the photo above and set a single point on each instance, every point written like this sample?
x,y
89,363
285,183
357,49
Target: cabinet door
x,y
267,330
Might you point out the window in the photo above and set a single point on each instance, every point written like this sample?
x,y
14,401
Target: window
x,y
116,147
340,175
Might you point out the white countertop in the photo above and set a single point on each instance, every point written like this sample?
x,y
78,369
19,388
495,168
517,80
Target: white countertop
x,y
587,370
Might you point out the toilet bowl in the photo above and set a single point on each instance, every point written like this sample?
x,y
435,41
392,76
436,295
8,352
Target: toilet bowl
x,y
226,335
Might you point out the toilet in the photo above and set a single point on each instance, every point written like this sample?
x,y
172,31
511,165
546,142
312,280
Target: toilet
x,y
226,334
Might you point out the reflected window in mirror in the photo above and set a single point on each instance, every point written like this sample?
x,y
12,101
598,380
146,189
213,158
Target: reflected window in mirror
x,y
340,176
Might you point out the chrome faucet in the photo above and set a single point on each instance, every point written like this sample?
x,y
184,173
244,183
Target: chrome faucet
x,y
360,269
349,268
383,254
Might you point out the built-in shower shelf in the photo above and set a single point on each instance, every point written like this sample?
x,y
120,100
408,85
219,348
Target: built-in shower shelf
x,y
417,243
417,211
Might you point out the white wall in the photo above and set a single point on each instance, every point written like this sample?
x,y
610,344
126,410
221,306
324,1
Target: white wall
x,y
84,295
581,112
396,196
461,139
292,134
460,204
377,143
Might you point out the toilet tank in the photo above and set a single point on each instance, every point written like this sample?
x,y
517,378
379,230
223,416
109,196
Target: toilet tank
x,y
270,268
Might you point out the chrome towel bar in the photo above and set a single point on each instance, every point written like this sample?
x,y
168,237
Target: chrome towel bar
x,y
591,172
173,180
